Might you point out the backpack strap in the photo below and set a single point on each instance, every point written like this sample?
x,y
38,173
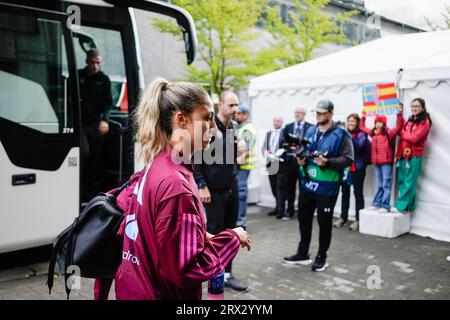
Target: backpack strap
x,y
69,256
56,249
117,191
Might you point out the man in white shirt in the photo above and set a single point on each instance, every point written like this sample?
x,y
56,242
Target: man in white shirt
x,y
290,169
270,147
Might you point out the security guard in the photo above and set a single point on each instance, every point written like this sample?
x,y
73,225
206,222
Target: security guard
x,y
216,177
96,102
247,160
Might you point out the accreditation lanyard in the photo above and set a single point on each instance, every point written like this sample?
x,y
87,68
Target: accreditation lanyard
x,y
315,141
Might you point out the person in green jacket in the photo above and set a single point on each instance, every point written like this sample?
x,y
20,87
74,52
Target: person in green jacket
x,y
413,138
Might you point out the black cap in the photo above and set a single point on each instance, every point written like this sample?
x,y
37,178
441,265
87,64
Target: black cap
x,y
324,106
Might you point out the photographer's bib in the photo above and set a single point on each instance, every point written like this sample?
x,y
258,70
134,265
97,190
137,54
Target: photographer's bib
x,y
323,181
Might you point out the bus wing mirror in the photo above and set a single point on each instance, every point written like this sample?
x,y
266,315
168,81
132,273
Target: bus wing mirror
x,y
86,42
184,20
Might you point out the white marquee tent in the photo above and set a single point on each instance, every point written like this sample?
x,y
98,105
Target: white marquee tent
x,y
420,66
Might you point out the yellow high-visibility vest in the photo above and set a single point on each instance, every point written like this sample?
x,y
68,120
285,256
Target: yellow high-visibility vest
x,y
250,160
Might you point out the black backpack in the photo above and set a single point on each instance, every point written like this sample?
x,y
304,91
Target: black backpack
x,y
91,242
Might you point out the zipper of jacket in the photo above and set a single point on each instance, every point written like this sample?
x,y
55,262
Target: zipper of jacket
x,y
376,150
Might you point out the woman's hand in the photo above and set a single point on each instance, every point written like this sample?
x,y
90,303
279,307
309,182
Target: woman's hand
x,y
208,236
244,237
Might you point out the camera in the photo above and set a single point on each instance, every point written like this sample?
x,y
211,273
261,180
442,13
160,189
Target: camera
x,y
318,154
295,147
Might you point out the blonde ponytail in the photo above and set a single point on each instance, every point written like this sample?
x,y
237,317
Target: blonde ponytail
x,y
149,135
153,116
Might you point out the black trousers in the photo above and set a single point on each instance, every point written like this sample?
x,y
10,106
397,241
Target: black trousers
x,y
309,202
357,179
92,152
292,180
273,185
286,187
222,212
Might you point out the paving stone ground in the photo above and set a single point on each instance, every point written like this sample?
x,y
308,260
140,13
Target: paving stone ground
x,y
410,267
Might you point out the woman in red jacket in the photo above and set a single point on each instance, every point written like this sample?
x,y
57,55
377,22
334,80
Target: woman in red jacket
x,y
382,157
413,137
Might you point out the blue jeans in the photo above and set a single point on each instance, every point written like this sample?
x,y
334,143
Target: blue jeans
x,y
383,175
242,177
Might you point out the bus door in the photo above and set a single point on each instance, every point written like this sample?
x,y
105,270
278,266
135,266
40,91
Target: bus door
x,y
39,127
116,166
132,50
112,31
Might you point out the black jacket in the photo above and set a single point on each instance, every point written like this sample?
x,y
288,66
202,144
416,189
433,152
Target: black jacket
x,y
211,167
96,98
290,127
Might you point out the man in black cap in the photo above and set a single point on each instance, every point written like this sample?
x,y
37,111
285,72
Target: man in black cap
x,y
96,102
328,154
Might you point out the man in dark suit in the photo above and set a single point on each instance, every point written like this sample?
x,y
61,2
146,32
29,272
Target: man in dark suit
x,y
290,169
270,147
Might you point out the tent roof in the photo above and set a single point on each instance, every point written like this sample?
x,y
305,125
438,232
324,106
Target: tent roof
x,y
374,61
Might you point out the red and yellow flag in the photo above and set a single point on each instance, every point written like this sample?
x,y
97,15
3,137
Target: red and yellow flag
x,y
380,99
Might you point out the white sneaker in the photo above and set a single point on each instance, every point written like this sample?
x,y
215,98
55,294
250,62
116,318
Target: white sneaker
x,y
448,258
383,210
394,210
373,208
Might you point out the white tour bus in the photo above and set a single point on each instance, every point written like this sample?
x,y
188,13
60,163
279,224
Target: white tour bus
x,y
42,44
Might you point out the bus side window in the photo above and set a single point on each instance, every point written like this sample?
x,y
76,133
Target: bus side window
x,y
33,80
109,44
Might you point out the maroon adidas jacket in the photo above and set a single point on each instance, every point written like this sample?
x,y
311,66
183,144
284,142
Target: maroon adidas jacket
x,y
165,254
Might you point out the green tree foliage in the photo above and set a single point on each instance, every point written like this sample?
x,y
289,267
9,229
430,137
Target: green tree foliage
x,y
308,28
446,15
228,51
225,31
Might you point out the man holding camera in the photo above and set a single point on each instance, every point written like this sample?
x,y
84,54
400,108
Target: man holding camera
x,y
321,171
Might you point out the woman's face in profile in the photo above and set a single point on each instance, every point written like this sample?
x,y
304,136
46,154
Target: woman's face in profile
x,y
202,127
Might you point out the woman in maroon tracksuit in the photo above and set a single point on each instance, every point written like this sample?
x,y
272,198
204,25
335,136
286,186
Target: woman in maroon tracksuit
x,y
167,253
382,157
